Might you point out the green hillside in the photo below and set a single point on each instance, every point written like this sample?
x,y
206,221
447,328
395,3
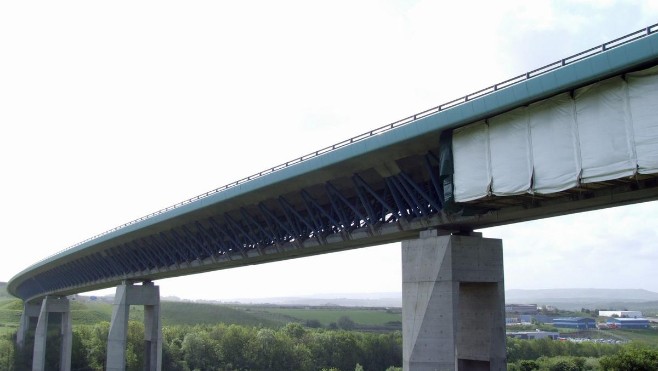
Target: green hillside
x,y
190,313
3,290
172,313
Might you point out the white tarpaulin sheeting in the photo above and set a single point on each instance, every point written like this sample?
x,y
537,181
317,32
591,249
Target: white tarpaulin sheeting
x,y
606,151
555,153
643,103
472,153
509,146
607,130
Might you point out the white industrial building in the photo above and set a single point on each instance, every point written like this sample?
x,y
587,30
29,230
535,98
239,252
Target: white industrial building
x,y
621,313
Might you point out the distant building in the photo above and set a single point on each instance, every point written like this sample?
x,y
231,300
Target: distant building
x,y
521,308
528,335
628,323
582,323
542,318
621,313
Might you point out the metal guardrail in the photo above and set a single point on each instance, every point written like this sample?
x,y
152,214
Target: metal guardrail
x,y
407,120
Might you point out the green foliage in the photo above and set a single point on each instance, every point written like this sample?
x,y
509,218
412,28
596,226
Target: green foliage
x,y
221,347
3,290
180,313
200,351
632,358
7,351
345,323
364,317
10,311
534,349
11,304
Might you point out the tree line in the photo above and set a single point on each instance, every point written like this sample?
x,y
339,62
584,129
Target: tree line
x,y
223,347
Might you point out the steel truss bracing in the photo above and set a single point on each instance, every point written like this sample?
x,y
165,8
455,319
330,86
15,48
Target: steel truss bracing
x,y
362,202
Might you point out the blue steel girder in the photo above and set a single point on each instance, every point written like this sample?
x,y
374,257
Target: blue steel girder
x,y
335,196
84,270
178,255
284,230
434,179
360,186
313,216
265,235
188,249
149,262
317,212
247,240
339,208
308,213
401,211
214,248
163,254
134,261
418,207
298,221
234,244
130,258
419,195
383,206
240,245
120,260
199,241
97,260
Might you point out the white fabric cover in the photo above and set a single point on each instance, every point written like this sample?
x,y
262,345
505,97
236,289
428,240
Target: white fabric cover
x,y
608,130
603,129
555,151
472,153
509,145
643,103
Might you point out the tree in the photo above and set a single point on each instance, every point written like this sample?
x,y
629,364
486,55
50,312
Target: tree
x,y
200,351
313,323
233,345
346,323
6,354
632,358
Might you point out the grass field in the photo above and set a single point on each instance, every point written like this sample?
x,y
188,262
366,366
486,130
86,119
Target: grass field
x,y
366,317
648,337
189,313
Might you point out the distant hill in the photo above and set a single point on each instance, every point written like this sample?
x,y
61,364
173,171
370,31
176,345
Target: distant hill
x,y
585,298
3,290
382,300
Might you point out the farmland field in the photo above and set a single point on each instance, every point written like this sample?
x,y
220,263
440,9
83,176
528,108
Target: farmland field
x,y
367,317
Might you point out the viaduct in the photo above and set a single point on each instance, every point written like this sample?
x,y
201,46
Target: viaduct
x,y
576,135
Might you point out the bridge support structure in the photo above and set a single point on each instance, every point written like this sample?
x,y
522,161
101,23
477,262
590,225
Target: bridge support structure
x,y
49,305
453,303
126,295
30,311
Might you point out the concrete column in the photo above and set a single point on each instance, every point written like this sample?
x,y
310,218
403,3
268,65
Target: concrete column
x,y
118,334
30,310
152,337
128,294
52,305
453,303
67,340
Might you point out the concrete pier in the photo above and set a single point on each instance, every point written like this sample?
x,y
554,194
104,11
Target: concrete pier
x,y
30,311
53,305
126,295
453,303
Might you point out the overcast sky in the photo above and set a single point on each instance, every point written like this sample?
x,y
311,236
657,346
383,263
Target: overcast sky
x,y
112,110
